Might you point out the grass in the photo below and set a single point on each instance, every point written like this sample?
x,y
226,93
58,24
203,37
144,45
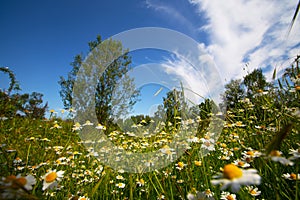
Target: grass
x,y
258,134
35,146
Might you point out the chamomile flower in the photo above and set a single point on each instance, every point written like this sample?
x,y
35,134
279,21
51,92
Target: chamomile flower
x,y
140,182
56,126
18,182
208,144
83,198
291,176
88,123
242,164
239,124
248,156
51,179
14,187
253,191
205,195
235,177
276,156
180,165
119,177
197,163
169,152
227,196
120,185
76,127
100,127
295,153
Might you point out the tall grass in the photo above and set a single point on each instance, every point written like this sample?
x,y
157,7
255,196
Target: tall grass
x,y
255,133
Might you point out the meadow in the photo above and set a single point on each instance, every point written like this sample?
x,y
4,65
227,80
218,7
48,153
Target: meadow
x,y
256,157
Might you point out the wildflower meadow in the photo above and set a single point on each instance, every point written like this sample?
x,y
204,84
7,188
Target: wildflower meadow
x,y
256,155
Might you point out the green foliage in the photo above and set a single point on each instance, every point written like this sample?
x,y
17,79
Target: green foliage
x,y
114,90
174,106
255,82
234,92
30,105
261,131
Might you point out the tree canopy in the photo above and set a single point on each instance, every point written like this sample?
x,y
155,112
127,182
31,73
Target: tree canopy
x,y
103,74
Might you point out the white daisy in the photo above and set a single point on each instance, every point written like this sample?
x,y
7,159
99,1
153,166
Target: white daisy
x,y
291,176
120,185
83,198
242,164
18,182
180,165
208,144
88,123
14,186
228,196
295,153
100,127
276,156
253,191
235,177
51,178
205,195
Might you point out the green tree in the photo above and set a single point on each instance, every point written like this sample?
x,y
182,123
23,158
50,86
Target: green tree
x,y
30,105
33,106
114,90
174,106
233,93
255,82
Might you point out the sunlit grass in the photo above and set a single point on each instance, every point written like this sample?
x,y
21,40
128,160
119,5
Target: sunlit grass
x,y
256,156
35,147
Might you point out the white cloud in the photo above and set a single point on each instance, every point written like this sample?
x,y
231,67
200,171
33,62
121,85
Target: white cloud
x,y
172,11
239,32
249,31
199,76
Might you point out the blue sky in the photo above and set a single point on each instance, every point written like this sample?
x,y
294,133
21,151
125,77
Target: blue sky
x,y
38,39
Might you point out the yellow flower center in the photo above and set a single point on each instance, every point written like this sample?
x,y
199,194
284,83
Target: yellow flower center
x,y
223,145
239,123
231,171
198,163
142,181
230,197
207,192
19,182
275,153
253,192
293,176
51,177
250,153
180,164
297,87
241,163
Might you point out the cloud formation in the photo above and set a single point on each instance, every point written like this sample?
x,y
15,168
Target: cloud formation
x,y
252,32
240,37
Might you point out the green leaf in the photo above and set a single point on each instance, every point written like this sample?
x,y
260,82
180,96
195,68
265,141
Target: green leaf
x,y
274,74
278,138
